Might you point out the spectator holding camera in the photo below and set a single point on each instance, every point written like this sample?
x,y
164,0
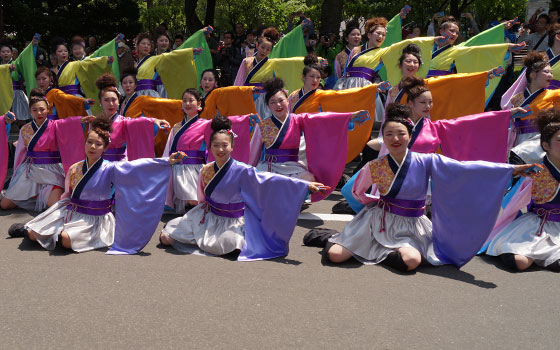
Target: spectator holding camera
x,y
228,60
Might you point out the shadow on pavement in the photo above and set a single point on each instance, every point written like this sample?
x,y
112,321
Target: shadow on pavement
x,y
451,272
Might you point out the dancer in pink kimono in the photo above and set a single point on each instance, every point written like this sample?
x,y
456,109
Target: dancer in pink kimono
x,y
44,150
275,146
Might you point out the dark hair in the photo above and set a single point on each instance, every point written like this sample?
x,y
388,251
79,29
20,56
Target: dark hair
x,y
213,71
447,21
534,62
131,72
398,113
102,126
311,67
350,26
106,83
37,96
179,36
545,16
411,49
271,35
43,69
6,44
272,86
414,87
78,40
193,92
221,125
548,122
554,30
310,58
375,22
230,33
56,42
143,36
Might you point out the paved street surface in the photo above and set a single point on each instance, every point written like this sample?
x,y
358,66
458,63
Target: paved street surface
x,y
164,299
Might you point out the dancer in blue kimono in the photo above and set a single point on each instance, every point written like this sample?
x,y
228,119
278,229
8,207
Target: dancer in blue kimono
x,y
82,220
393,228
240,208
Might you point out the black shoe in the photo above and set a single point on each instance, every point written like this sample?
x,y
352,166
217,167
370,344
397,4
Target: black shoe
x,y
318,237
395,260
342,207
509,261
343,180
555,266
325,253
17,230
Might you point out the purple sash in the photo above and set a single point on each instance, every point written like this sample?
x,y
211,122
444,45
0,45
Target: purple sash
x,y
70,89
254,84
437,73
17,85
277,155
361,72
52,116
146,84
37,157
97,208
157,81
231,210
525,126
554,84
114,154
403,207
547,212
194,157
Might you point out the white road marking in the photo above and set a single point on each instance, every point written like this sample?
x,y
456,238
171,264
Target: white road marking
x,y
325,217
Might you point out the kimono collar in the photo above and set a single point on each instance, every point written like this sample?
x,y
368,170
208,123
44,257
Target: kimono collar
x,y
552,168
219,174
393,162
36,127
190,121
529,97
142,61
440,50
37,133
185,125
400,171
114,116
61,68
416,130
87,173
347,50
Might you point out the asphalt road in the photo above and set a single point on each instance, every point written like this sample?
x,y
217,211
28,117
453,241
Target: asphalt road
x,y
164,299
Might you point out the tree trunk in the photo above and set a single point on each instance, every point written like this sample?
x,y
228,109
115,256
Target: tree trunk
x,y
331,16
193,22
149,3
210,9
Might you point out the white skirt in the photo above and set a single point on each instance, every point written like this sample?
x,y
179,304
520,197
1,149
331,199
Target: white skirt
x,y
358,82
161,91
528,147
32,184
521,237
20,105
185,183
217,235
86,232
290,169
148,92
361,236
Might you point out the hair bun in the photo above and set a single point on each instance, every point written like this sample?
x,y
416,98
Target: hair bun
x,y
220,122
271,34
36,92
410,83
102,123
105,80
272,85
547,117
411,49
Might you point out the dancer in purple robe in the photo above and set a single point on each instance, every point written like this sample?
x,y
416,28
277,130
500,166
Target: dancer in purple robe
x,y
191,137
393,229
83,220
534,237
239,207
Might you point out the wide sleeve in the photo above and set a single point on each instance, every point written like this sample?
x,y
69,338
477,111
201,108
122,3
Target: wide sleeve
x,y
6,89
457,95
241,74
27,66
70,140
272,206
109,49
481,136
391,54
140,191
177,71
203,60
242,141
290,45
229,101
67,105
21,151
326,139
88,71
466,200
4,152
139,136
256,147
